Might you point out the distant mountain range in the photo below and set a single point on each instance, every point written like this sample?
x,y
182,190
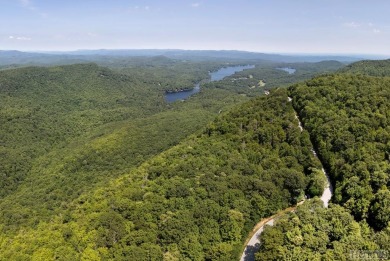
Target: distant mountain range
x,y
17,57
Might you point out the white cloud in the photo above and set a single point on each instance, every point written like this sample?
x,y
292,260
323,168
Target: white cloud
x,y
363,27
195,5
19,38
351,24
138,8
92,34
375,30
27,4
23,38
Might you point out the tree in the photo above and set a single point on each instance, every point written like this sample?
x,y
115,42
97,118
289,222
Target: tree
x,y
379,215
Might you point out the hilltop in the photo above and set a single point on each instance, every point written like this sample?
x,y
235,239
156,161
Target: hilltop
x,y
373,68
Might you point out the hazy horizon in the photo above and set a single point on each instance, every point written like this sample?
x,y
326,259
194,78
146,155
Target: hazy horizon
x,y
276,27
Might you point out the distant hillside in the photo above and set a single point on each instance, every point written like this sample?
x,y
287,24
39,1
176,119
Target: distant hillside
x,y
219,54
17,58
45,58
258,56
269,76
367,67
42,108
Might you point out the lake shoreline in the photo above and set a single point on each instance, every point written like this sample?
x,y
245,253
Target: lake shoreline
x,y
184,93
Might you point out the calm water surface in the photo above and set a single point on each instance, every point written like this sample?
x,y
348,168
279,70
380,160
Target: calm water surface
x,y
215,76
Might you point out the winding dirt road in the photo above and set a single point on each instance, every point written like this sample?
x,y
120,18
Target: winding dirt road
x,y
252,244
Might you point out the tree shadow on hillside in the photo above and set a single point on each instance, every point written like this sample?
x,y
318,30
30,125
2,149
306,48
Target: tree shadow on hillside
x,y
250,252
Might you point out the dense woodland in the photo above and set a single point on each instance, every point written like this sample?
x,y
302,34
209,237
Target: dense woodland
x,y
195,201
67,128
347,117
373,68
95,165
313,232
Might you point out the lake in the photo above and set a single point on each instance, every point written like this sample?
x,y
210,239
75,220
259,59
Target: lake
x,y
227,71
215,76
289,70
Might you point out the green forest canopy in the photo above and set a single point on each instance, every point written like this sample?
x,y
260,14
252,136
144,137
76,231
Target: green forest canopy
x,y
247,164
347,117
68,127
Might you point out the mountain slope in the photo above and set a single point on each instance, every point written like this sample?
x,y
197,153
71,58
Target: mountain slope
x,y
43,108
195,201
77,128
347,116
373,68
68,129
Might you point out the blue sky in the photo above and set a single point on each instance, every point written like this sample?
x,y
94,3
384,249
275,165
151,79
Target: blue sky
x,y
272,26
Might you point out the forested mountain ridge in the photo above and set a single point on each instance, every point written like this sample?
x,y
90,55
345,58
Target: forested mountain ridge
x,y
347,116
46,107
66,128
195,201
17,58
373,68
